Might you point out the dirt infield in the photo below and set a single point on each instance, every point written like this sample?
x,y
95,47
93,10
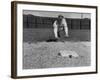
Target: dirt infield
x,y
45,54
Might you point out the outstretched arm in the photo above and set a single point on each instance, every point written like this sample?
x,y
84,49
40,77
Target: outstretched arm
x,y
55,29
65,27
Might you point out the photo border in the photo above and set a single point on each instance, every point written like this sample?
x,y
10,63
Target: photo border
x,y
14,37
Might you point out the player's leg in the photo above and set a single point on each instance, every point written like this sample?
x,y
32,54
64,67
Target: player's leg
x,y
58,34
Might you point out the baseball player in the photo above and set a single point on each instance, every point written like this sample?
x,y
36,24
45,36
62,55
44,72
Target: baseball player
x,y
60,25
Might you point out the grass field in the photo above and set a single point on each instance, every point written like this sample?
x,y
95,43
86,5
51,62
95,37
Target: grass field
x,y
42,54
40,34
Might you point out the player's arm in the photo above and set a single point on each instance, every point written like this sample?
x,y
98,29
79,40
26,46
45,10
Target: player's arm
x,y
65,27
55,29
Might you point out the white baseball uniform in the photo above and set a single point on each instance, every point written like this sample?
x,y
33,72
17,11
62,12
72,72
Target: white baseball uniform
x,y
61,26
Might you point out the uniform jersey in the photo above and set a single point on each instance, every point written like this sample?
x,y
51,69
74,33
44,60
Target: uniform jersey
x,y
60,24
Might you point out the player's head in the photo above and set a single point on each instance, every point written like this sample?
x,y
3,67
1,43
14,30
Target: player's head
x,y
60,16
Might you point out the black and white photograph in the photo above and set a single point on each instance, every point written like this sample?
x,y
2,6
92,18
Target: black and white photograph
x,y
54,39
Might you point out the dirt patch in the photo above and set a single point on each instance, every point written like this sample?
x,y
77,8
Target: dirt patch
x,y
45,54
